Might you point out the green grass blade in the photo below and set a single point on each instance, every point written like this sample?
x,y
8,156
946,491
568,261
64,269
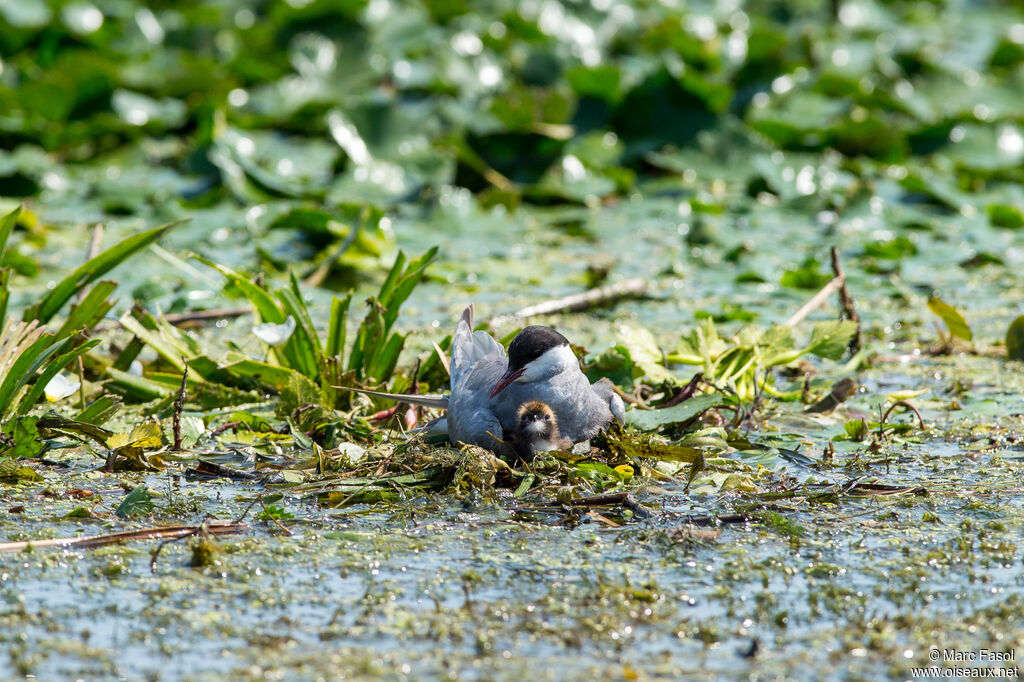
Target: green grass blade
x,y
336,326
403,288
91,310
100,410
92,270
369,338
25,367
302,348
165,347
5,292
136,388
385,359
273,376
261,300
7,224
50,371
392,279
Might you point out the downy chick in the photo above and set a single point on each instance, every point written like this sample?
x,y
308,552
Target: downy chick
x,y
537,430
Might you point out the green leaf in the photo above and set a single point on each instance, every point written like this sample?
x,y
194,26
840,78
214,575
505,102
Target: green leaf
x,y
303,347
24,433
386,358
336,327
264,303
955,322
50,371
12,472
137,388
7,224
396,289
91,310
52,424
100,410
650,420
807,276
645,354
138,501
1005,215
831,339
92,270
165,347
25,367
5,294
1015,339
274,376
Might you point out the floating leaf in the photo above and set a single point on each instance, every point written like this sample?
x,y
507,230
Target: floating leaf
x,y
646,356
650,420
831,339
12,472
955,322
138,501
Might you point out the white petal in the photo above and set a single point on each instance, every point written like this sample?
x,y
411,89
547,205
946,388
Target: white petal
x,y
60,387
273,334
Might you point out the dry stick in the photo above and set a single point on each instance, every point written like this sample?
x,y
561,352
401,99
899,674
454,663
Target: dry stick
x,y
846,301
816,301
906,404
280,525
81,384
219,528
179,319
625,499
179,405
93,250
186,319
588,299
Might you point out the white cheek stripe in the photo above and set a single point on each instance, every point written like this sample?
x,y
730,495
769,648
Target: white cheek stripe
x,y
554,360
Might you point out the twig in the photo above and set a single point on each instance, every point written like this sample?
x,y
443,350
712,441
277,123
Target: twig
x,y
207,469
909,406
624,499
630,288
721,519
81,383
91,251
685,393
259,498
224,427
277,523
846,301
194,318
215,528
179,405
181,319
842,390
816,301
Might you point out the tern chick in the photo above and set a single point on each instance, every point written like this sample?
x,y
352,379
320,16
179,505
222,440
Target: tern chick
x,y
537,430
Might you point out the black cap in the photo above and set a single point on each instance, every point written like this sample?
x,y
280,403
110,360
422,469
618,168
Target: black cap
x,y
531,343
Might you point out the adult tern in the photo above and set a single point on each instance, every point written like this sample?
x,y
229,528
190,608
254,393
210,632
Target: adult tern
x,y
488,388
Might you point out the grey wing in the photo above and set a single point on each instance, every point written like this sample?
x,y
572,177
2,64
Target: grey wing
x,y
471,349
471,417
606,390
478,427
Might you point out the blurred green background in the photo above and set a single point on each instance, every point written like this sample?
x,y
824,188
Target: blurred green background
x,y
313,136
